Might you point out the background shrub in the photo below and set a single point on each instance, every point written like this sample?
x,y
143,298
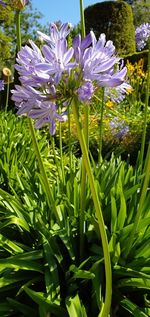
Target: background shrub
x,y
115,19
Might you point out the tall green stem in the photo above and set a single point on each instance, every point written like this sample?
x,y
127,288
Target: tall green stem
x,y
45,181
82,19
108,291
61,154
101,128
86,135
7,93
69,136
141,203
145,110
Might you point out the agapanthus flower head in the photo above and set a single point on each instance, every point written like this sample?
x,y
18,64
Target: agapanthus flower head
x,y
118,94
57,73
142,34
1,85
119,128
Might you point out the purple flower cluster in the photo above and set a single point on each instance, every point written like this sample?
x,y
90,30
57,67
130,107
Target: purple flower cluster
x,y
3,3
119,128
142,33
52,76
117,94
1,85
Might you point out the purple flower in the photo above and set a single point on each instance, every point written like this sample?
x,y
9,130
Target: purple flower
x,y
26,98
46,112
54,74
79,46
142,33
1,85
86,91
27,59
31,102
55,33
98,63
119,128
57,61
117,94
3,3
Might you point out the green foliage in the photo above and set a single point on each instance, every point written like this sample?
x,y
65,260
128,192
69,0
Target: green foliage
x,y
141,11
29,26
136,57
116,21
41,271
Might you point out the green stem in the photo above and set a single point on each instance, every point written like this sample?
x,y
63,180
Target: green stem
x,y
55,156
141,203
86,135
69,136
82,19
108,291
101,128
145,110
61,154
7,93
47,188
82,209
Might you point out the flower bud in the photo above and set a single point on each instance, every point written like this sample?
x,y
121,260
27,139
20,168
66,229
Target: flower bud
x,y
6,74
19,4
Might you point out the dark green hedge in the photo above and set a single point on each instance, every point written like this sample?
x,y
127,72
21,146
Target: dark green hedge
x,y
115,19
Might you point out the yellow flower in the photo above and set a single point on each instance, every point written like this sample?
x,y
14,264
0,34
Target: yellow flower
x,y
130,67
130,90
140,73
109,104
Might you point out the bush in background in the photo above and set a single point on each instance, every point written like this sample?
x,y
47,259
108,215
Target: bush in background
x,y
115,19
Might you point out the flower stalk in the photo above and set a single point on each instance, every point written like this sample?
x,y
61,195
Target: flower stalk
x,y
145,109
101,128
45,181
108,291
86,135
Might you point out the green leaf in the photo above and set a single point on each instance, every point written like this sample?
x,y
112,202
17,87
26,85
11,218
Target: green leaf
x,y
132,308
9,245
41,299
123,210
113,212
24,261
24,309
75,308
134,282
78,273
15,221
5,309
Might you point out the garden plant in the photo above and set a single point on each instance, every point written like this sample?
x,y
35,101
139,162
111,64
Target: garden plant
x,y
74,200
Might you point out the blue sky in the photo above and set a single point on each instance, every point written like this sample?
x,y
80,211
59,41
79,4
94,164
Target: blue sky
x,y
64,10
